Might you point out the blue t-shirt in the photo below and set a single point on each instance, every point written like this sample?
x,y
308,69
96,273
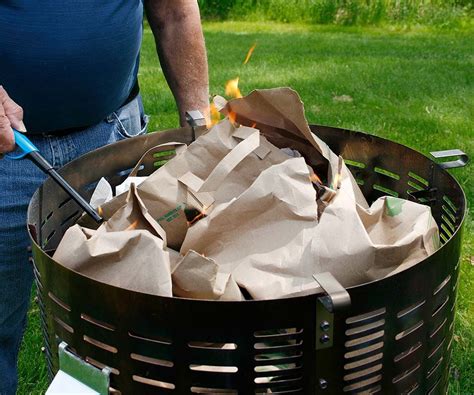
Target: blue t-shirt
x,y
69,63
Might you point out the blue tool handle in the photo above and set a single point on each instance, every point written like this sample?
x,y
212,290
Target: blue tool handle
x,y
24,144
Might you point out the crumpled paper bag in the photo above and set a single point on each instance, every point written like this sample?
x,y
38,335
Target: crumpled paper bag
x,y
167,194
128,251
262,238
280,231
245,214
198,277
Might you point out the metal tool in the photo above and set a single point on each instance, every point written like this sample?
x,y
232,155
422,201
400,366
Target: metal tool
x,y
29,150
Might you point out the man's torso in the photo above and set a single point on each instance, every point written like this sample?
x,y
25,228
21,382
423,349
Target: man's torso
x,y
69,63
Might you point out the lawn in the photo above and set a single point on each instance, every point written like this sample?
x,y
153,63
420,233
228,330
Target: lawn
x,y
413,86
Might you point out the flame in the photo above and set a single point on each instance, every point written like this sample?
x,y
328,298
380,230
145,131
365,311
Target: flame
x,y
100,211
232,88
314,178
250,53
133,225
232,117
213,116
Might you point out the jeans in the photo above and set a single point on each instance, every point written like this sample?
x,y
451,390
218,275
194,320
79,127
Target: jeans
x,y
18,181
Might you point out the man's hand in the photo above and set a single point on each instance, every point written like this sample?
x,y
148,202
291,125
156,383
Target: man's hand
x,y
176,25
11,116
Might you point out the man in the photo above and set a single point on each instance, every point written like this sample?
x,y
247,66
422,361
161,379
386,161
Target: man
x,y
68,71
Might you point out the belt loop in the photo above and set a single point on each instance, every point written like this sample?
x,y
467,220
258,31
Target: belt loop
x,y
111,117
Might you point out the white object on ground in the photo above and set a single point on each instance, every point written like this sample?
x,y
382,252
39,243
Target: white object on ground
x,y
64,384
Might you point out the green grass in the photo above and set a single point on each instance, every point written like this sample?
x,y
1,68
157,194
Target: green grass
x,y
414,86
439,13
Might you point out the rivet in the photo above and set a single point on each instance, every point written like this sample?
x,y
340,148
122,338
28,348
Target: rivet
x,y
325,326
323,384
324,338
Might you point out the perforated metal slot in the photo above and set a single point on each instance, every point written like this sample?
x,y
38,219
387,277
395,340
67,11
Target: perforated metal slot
x,y
214,368
364,351
354,163
163,157
96,322
409,330
406,374
63,325
212,346
417,183
46,219
419,179
442,285
407,352
64,202
48,238
410,309
100,365
213,391
385,190
154,339
153,383
448,221
437,348
59,302
387,173
278,360
99,344
113,391
152,358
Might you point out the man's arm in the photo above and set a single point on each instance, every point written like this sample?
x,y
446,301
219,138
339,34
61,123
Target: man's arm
x,y
176,25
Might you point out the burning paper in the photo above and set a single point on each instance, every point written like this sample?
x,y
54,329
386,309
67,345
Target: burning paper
x,y
254,212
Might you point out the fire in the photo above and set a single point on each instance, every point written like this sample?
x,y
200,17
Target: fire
x,y
232,91
232,117
314,178
100,211
250,53
133,225
213,116
232,88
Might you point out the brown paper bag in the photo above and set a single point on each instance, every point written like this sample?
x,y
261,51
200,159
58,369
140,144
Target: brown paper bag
x,y
262,237
169,199
269,237
198,277
128,251
358,244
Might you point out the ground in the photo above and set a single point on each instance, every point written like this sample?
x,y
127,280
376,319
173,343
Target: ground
x,y
414,86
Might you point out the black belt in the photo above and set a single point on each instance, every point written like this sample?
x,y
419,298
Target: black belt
x,y
62,132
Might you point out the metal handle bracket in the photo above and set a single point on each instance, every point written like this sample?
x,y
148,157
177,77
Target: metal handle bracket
x,y
461,162
197,121
337,299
